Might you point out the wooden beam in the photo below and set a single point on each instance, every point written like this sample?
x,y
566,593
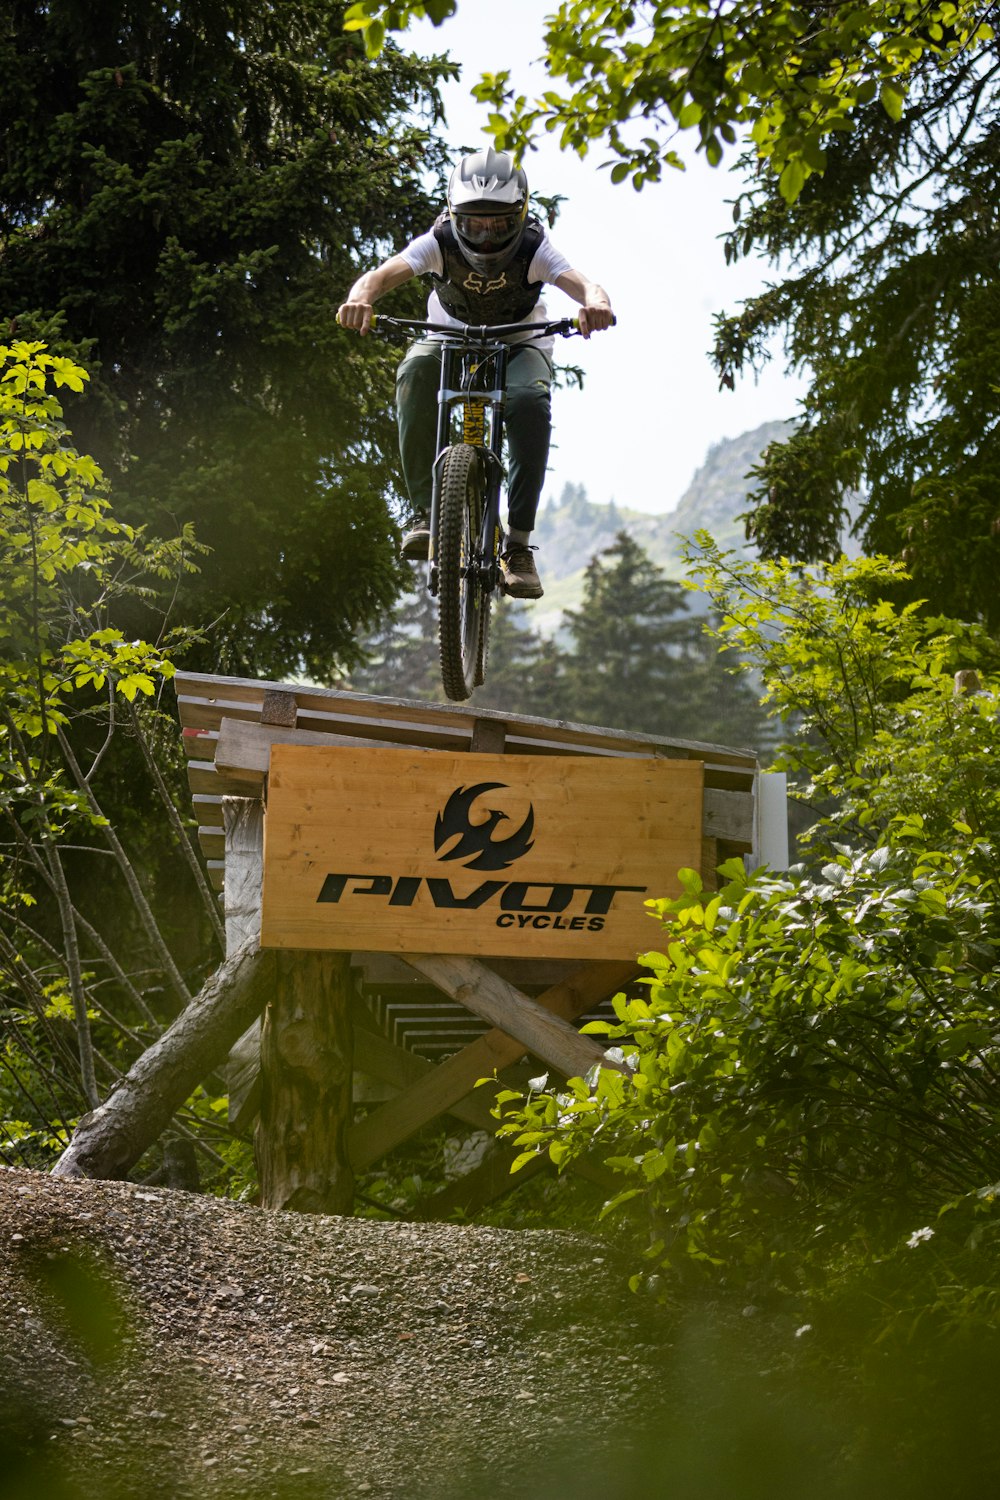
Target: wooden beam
x,y
278,707
382,1059
243,750
727,815
443,1086
204,697
373,1054
244,824
489,736
540,1032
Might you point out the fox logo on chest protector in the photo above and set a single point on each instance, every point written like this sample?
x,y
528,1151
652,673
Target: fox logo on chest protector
x,y
475,283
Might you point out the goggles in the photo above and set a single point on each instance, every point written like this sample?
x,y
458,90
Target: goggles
x,y
488,231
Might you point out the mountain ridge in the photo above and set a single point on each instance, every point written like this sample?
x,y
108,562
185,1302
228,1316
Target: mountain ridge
x,y
572,529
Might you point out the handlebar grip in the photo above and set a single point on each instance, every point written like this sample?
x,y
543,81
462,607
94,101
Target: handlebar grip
x,y
576,322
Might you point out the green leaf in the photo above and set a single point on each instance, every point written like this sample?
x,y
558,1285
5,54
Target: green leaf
x,y
792,180
892,99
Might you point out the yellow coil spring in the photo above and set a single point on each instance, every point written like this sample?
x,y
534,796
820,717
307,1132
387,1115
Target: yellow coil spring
x,y
474,423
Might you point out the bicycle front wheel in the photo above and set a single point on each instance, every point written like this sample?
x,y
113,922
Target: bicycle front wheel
x,y
489,551
461,592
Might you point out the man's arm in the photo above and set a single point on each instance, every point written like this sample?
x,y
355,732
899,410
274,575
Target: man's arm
x,y
356,312
595,309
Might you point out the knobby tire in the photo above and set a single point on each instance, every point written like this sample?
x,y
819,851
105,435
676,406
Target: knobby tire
x,y
490,550
462,600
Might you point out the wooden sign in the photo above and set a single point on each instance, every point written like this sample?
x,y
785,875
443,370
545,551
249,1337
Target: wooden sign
x,y
403,851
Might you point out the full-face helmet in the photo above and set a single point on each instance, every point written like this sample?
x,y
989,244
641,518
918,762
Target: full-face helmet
x,y
488,206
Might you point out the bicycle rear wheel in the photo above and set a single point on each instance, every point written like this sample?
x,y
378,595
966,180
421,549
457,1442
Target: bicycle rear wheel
x,y
462,596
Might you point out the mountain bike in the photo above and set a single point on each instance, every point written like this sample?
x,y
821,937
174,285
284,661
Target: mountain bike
x,y
463,570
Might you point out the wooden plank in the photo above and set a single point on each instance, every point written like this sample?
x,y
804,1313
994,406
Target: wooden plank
x,y
203,777
361,850
212,841
199,744
211,691
447,1083
208,810
197,714
243,750
711,858
728,815
375,1055
380,969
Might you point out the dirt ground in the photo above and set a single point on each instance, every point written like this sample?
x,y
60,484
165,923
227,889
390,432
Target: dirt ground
x,y
162,1343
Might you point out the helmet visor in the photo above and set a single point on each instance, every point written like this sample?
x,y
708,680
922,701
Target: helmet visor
x,y
488,231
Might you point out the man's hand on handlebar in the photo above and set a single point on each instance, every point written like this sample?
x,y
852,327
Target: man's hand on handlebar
x,y
355,315
592,319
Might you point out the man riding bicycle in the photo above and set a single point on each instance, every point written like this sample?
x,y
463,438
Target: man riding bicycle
x,y
488,259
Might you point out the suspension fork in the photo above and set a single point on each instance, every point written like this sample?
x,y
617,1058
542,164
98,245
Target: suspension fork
x,y
455,389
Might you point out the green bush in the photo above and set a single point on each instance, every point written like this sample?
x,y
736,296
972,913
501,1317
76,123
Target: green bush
x,y
810,1094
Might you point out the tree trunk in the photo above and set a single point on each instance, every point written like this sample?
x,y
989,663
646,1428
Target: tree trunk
x,y
110,1139
305,1106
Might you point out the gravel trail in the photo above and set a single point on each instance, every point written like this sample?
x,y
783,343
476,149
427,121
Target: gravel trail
x,y
162,1343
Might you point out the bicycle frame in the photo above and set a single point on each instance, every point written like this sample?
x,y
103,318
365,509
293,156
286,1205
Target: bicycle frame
x,y
466,352
473,387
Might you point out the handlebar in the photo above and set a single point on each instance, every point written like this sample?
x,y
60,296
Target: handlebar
x,y
480,332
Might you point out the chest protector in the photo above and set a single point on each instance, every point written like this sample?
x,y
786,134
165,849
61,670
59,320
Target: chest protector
x,y
473,297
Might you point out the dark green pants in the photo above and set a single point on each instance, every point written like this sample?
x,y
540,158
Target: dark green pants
x,y
528,422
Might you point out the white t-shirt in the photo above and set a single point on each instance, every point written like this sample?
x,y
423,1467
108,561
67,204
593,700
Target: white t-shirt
x,y
423,256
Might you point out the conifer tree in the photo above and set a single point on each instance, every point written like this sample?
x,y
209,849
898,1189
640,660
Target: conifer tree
x,y
186,191
402,656
638,660
524,671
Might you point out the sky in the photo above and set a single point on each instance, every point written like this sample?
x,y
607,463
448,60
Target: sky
x,y
650,408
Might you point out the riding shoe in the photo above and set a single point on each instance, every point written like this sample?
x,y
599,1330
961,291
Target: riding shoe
x,y
416,542
519,574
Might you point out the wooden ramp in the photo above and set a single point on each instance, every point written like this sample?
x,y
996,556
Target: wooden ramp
x,y
426,1026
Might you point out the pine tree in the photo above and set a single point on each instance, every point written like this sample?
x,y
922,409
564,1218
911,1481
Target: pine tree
x,y
639,660
403,657
524,671
186,193
888,297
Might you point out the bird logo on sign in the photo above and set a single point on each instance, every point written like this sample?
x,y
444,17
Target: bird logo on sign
x,y
474,843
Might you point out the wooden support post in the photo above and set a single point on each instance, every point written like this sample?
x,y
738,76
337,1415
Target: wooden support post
x,y
278,707
489,737
305,1097
243,818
